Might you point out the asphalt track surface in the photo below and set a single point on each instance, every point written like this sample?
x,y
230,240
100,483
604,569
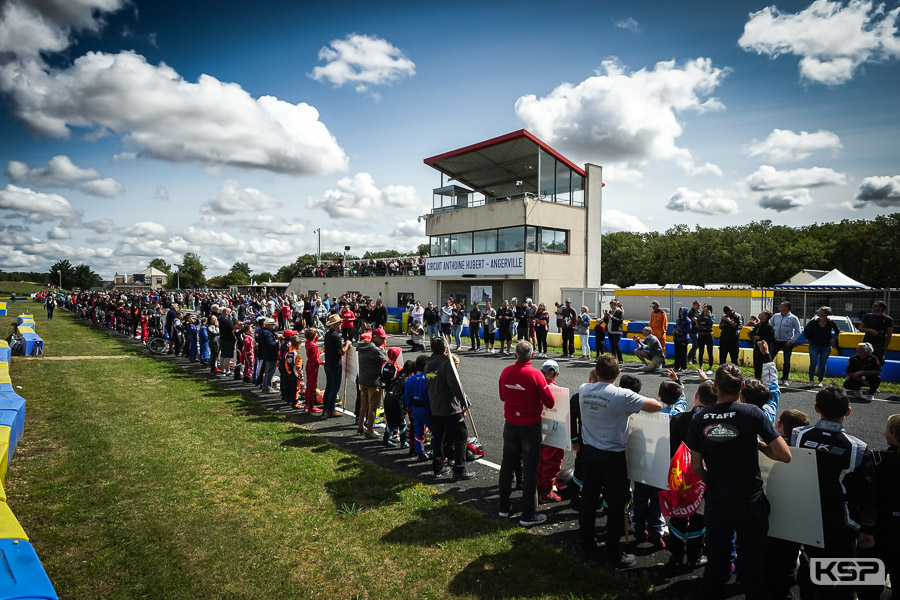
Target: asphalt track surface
x,y
479,373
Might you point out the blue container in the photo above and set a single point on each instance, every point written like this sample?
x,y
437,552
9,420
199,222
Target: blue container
x,y
836,366
626,346
10,403
32,344
10,419
5,353
637,326
23,576
890,371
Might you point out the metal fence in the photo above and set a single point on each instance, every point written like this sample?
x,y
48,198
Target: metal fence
x,y
853,304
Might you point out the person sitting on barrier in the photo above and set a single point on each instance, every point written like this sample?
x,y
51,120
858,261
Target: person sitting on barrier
x,y
650,348
863,369
846,497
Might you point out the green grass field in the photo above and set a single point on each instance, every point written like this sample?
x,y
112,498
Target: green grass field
x,y
21,289
138,480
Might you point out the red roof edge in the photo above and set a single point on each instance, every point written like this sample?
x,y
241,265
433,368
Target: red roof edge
x,y
501,140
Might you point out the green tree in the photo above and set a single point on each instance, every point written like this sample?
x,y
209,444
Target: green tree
x,y
423,250
62,271
189,274
238,275
262,277
161,265
85,278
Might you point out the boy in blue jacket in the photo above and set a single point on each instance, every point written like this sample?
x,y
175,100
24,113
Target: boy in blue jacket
x,y
419,406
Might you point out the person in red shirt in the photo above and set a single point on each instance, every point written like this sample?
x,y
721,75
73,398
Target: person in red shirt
x,y
313,360
524,392
348,323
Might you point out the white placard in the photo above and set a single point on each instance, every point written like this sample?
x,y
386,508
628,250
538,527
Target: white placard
x,y
556,423
482,294
647,449
793,492
478,265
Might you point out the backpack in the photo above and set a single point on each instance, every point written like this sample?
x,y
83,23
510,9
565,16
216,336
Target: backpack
x,y
474,449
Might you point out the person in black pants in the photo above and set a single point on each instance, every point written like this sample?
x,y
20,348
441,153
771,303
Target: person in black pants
x,y
448,406
762,332
568,316
474,326
541,326
613,321
603,455
729,335
694,315
725,440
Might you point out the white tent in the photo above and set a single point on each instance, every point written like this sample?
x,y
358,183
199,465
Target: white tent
x,y
833,280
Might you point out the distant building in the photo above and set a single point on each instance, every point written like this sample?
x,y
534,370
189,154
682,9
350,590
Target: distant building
x,y
148,278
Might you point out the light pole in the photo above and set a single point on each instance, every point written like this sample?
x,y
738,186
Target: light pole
x,y
60,280
178,279
319,247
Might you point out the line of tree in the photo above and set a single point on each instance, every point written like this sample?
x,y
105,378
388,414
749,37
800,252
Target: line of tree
x,y
761,253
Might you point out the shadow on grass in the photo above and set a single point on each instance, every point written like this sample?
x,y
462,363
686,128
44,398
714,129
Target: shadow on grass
x,y
365,486
526,571
444,523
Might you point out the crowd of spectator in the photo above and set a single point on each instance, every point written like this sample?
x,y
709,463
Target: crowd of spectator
x,y
371,267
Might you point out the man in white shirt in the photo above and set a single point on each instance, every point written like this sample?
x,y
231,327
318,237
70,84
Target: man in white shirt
x,y
787,332
605,409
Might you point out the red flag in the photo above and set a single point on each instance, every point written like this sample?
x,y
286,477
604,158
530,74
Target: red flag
x,y
685,493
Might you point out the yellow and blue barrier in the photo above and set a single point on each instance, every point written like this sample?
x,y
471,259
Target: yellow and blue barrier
x,y
22,577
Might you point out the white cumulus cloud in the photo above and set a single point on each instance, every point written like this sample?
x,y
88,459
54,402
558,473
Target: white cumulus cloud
x,y
270,226
362,61
107,187
359,198
209,122
59,171
782,201
624,116
38,205
784,145
145,229
615,220
832,39
628,24
232,198
709,202
412,228
29,27
58,233
881,191
768,177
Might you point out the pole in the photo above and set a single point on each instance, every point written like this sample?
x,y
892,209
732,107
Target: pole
x,y
60,279
319,247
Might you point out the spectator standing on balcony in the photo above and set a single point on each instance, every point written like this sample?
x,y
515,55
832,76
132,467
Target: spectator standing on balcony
x,y
431,319
878,329
787,332
659,324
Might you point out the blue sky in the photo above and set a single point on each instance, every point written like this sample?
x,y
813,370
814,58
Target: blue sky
x,y
131,130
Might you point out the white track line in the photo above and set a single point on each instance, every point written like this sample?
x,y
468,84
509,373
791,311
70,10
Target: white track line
x,y
487,463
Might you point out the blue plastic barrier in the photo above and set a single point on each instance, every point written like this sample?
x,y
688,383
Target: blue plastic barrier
x,y
13,403
23,577
5,354
637,326
9,418
32,344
